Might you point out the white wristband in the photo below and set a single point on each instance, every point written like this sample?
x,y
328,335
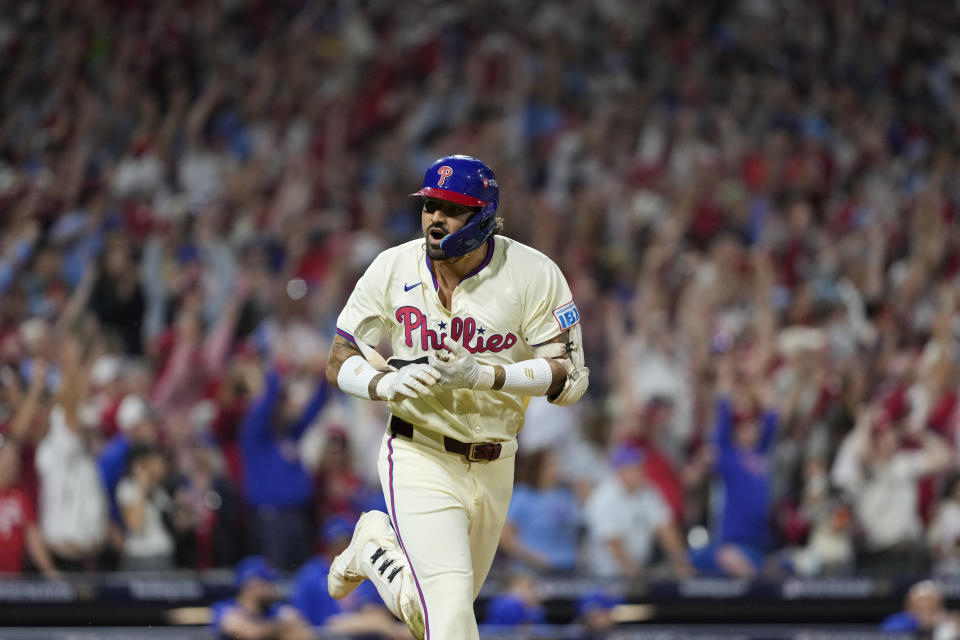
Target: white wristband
x,y
528,377
355,376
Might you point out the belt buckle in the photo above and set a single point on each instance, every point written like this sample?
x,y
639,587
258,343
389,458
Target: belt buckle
x,y
472,452
492,447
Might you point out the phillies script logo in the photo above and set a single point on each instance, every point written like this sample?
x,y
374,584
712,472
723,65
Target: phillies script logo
x,y
462,330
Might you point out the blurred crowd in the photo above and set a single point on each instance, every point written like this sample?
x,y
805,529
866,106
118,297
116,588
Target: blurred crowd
x,y
754,202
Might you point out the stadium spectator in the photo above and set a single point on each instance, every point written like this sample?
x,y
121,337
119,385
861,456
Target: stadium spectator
x,y
117,298
595,612
26,410
625,515
277,484
743,466
207,511
73,504
136,427
19,534
257,612
924,614
830,548
944,534
881,479
543,522
144,504
645,429
517,606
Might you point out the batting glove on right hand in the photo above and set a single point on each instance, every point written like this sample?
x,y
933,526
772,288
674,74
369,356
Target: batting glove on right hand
x,y
412,381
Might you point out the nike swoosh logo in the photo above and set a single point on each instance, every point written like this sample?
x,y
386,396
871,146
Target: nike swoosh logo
x,y
407,287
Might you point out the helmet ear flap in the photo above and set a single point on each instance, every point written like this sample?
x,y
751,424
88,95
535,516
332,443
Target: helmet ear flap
x,y
471,236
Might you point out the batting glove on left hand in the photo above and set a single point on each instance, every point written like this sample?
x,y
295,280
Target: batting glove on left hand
x,y
412,381
458,368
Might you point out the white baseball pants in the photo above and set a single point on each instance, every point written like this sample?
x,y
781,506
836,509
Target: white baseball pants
x,y
448,515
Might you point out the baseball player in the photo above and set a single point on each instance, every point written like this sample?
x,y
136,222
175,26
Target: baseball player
x,y
478,323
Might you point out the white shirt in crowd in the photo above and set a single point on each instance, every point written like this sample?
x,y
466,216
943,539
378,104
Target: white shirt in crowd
x,y
887,502
612,512
153,540
945,537
73,505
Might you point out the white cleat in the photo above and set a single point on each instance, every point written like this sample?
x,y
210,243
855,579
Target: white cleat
x,y
374,553
346,572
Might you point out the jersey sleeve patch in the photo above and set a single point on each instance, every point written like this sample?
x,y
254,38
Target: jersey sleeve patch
x,y
567,315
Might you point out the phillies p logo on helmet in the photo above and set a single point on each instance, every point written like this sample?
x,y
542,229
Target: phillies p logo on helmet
x,y
445,172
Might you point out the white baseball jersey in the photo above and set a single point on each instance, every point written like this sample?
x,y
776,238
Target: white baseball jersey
x,y
515,300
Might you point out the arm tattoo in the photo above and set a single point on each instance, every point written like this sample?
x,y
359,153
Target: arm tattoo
x,y
372,387
340,351
499,377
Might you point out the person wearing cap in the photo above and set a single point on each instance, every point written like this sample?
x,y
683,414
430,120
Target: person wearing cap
x,y
625,515
517,606
924,614
595,612
256,612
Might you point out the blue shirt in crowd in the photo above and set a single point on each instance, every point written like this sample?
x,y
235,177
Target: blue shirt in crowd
x,y
746,480
274,475
113,464
509,610
548,522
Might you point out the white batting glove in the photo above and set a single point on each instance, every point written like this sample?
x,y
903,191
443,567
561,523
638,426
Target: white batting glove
x,y
412,381
458,368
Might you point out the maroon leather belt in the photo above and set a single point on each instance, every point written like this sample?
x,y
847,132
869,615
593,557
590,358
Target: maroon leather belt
x,y
472,451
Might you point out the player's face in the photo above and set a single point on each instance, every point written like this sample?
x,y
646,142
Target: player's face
x,y
441,218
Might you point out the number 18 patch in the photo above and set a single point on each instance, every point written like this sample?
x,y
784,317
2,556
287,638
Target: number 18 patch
x,y
567,315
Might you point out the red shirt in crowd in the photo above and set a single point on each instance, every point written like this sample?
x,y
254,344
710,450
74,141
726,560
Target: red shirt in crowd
x,y
16,514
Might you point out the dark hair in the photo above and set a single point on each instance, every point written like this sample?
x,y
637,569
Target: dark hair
x,y
950,484
529,467
140,452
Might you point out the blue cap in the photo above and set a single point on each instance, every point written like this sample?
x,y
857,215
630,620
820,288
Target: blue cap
x,y
509,610
254,567
626,454
337,527
596,600
187,252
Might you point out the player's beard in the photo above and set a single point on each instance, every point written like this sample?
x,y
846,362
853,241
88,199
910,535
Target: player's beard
x,y
434,252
